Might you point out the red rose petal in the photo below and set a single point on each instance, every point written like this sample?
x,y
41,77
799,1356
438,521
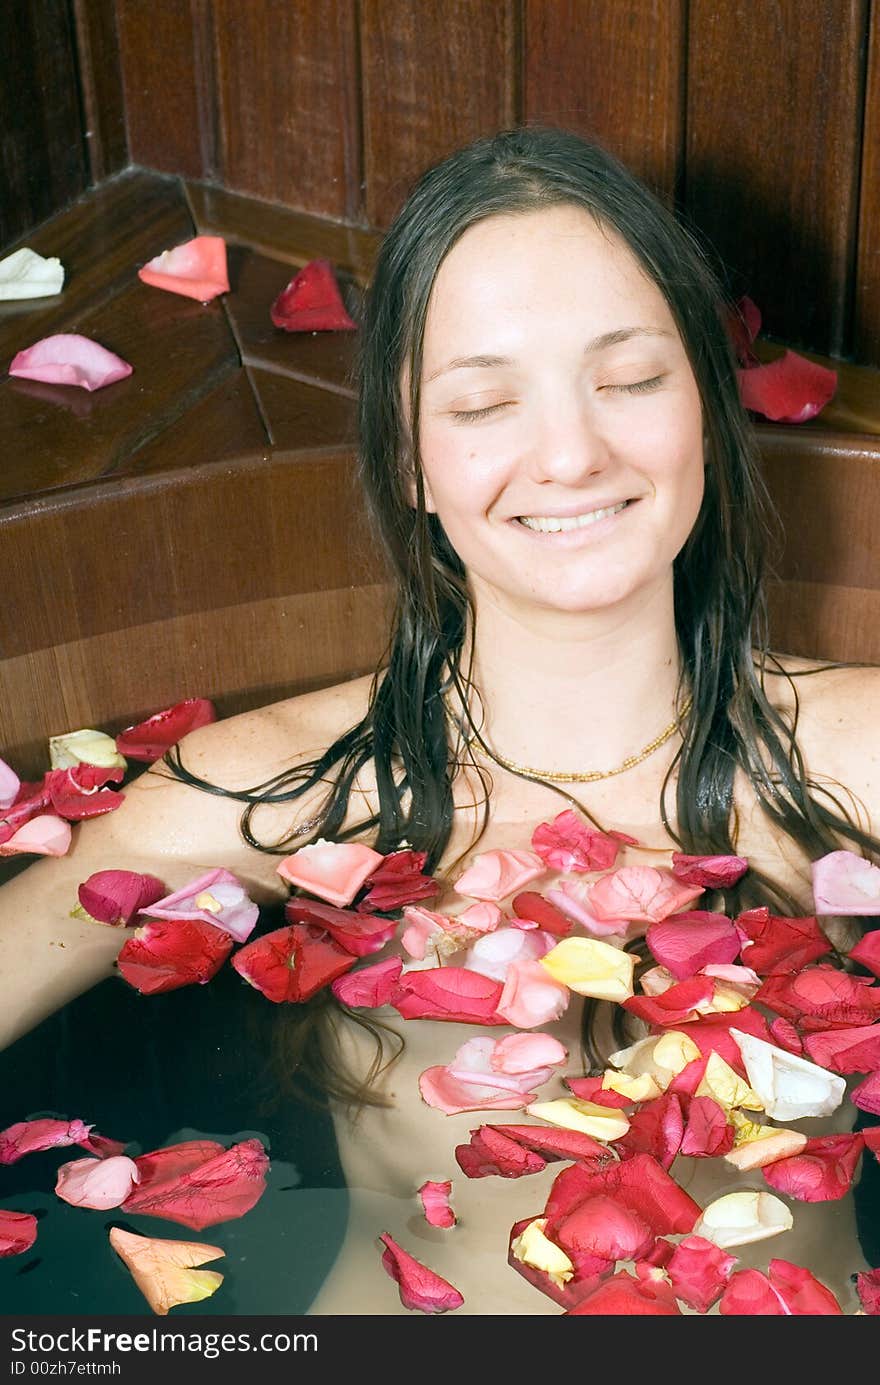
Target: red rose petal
x,y
567,1295
656,1129
149,740
18,1231
114,896
685,943
591,1089
867,1094
786,1036
822,997
360,934
640,1183
699,1271
868,1288
165,954
420,1288
751,1293
369,986
537,909
398,881
449,993
708,1132
603,1226
557,1144
780,944
492,1153
675,1006
823,1171
867,951
32,1136
804,1295
291,964
623,1296
846,1050
312,302
220,1188
710,872
788,390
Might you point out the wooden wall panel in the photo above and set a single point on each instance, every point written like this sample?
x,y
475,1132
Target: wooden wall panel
x,y
773,147
162,53
435,75
100,75
611,70
288,94
866,339
42,150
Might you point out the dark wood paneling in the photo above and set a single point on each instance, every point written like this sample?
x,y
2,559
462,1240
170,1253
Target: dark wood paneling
x,y
132,551
100,75
179,349
42,148
102,241
160,70
318,358
225,423
866,344
773,148
435,75
299,415
287,88
611,70
282,234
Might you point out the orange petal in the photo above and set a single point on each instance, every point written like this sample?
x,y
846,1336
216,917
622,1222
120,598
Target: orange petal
x,y
163,1270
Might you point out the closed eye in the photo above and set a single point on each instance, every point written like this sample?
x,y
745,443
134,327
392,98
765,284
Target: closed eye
x,y
462,415
638,387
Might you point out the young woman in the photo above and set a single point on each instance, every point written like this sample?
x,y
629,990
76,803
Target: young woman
x,y
564,481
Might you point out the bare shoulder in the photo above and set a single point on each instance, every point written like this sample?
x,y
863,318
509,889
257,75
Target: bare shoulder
x,y
838,727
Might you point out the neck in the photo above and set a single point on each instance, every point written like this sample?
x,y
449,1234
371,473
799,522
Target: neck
x,y
573,691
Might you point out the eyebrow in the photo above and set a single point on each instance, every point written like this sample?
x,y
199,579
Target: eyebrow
x,y
600,343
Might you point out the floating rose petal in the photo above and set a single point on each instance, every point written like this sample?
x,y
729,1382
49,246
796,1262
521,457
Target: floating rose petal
x,y
867,952
359,934
150,739
593,1089
707,1132
591,968
291,964
786,1290
163,1270
435,1203
686,943
572,899
538,910
640,894
493,953
757,1145
555,1144
220,1188
492,1074
698,1271
44,835
9,785
420,1288
449,993
751,1294
623,1296
496,874
114,896
786,1036
709,872
217,898
603,1226
97,1183
867,1094
18,1231
77,793
868,1287
844,883
334,871
568,844
778,944
491,1151
823,1170
196,269
370,986
790,389
846,1050
25,274
738,1219
46,1132
711,1034
531,1250
789,1087
312,302
69,359
531,996
721,1082
822,998
678,1005
657,1130
165,955
604,1122
398,881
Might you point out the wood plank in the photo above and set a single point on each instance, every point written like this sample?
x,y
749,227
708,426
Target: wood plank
x,y
435,76
100,72
225,423
42,152
282,234
866,341
319,358
179,349
287,92
823,621
300,415
613,71
773,144
160,65
241,656
102,241
230,531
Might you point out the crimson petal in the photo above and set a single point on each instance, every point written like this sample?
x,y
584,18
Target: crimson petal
x,y
165,954
220,1188
149,740
788,390
711,872
312,302
359,934
449,993
291,964
778,944
822,1172
18,1231
420,1288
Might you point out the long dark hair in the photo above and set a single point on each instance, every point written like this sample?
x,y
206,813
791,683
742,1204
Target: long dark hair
x,y
718,575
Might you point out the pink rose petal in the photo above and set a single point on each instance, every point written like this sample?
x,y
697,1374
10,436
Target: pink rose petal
x,y
334,871
710,872
196,269
844,883
686,943
496,874
568,843
640,894
44,835
114,896
420,1288
69,359
370,986
97,1183
9,785
18,1231
435,1204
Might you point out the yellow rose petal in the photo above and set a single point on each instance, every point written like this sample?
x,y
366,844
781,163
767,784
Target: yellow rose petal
x,y
641,1088
603,1122
726,1086
85,747
591,968
533,1248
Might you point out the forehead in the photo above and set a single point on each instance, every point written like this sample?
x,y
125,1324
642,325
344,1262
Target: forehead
x,y
552,265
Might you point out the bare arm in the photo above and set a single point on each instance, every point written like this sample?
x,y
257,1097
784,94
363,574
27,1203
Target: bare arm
x,y
164,828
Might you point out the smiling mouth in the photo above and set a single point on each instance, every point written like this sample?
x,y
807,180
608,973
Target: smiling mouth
x,y
554,524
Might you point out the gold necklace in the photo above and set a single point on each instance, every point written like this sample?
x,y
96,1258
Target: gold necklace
x,y
590,775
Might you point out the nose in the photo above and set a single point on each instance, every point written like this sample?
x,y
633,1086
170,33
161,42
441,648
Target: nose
x,y
569,443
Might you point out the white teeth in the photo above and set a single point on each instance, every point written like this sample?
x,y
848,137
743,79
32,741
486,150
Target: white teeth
x,y
552,524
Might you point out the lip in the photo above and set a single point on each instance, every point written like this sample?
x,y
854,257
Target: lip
x,y
584,508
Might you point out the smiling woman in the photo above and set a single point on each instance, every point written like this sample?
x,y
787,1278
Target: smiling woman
x,y
567,490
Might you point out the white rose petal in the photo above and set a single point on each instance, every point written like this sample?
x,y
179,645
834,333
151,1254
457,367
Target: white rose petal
x,y
790,1087
737,1219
